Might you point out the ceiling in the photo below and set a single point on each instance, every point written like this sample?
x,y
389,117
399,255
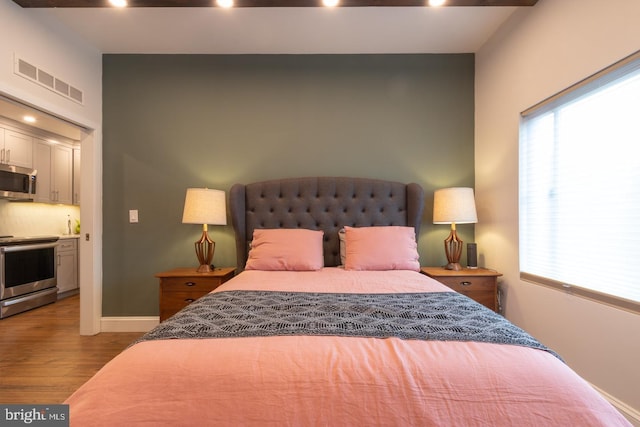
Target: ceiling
x,y
275,29
267,3
282,27
16,112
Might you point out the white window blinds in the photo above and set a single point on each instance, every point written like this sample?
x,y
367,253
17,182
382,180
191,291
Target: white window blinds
x,y
580,188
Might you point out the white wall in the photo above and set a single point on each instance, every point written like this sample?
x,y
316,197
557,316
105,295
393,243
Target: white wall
x,y
54,50
538,52
51,48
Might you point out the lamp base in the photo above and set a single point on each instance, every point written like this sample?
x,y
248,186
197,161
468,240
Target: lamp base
x,y
455,266
453,250
205,247
204,268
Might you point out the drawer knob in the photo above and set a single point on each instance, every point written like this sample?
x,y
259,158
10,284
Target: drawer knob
x,y
465,283
189,300
190,283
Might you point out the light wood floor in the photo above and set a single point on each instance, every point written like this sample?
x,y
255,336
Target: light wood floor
x,y
43,358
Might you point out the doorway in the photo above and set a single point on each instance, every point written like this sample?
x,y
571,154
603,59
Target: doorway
x,y
12,114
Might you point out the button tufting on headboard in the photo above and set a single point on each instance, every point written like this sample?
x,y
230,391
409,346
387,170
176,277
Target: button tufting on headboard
x,y
322,203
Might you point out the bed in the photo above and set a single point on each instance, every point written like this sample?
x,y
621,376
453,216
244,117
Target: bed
x,y
329,322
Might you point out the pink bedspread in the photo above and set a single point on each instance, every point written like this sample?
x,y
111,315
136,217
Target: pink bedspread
x,y
336,381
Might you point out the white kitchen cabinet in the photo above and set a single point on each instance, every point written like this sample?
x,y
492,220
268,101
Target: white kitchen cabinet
x,y
16,149
67,265
54,163
76,176
42,163
62,173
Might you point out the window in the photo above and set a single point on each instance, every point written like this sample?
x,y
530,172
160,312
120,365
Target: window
x,y
580,188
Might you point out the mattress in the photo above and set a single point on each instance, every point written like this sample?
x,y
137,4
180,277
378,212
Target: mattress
x,y
307,380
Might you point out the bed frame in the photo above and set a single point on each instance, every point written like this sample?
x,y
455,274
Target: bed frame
x,y
334,379
322,203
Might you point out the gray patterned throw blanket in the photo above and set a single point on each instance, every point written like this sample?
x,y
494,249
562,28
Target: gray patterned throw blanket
x,y
446,316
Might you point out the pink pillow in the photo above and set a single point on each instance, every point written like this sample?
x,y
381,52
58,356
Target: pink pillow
x,y
286,249
381,248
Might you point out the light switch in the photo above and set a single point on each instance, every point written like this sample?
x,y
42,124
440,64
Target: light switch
x,y
133,215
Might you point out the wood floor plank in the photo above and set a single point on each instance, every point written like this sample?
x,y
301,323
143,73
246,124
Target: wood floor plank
x,y
43,358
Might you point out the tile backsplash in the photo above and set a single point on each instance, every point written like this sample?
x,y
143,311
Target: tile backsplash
x,y
34,219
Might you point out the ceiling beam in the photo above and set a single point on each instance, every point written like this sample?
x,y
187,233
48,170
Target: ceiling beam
x,y
264,3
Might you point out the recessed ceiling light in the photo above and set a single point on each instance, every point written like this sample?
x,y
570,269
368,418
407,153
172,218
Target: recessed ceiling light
x,y
29,119
118,3
225,3
436,3
330,3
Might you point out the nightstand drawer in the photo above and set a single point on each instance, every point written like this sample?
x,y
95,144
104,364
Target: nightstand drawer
x,y
173,302
469,284
480,289
479,284
181,286
195,285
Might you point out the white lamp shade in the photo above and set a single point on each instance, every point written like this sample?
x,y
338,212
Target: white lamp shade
x,y
454,205
204,206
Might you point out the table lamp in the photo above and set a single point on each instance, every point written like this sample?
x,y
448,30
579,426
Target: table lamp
x,y
454,205
204,206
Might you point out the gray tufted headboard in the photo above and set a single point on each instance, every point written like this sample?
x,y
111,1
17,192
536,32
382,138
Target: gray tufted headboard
x,y
322,203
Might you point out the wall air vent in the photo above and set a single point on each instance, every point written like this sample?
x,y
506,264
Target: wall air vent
x,y
27,70
45,79
33,73
75,94
62,87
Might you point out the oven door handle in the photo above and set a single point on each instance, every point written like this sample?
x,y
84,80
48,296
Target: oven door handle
x,y
18,300
27,247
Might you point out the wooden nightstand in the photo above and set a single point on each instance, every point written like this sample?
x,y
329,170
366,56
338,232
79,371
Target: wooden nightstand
x,y
479,284
181,286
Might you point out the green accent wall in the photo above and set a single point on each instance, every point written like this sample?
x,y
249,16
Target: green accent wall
x,y
176,121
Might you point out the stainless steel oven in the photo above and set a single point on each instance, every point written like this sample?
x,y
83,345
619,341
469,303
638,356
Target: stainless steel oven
x,y
27,273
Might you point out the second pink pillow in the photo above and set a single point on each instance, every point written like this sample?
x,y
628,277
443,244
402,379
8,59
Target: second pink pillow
x,y
381,248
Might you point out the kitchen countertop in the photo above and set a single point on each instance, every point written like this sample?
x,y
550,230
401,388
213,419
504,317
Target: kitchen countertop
x,y
68,236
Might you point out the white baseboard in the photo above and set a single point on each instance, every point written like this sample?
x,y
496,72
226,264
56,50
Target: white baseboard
x,y
129,324
629,413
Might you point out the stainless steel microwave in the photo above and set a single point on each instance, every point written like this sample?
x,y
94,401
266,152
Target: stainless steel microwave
x,y
17,183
